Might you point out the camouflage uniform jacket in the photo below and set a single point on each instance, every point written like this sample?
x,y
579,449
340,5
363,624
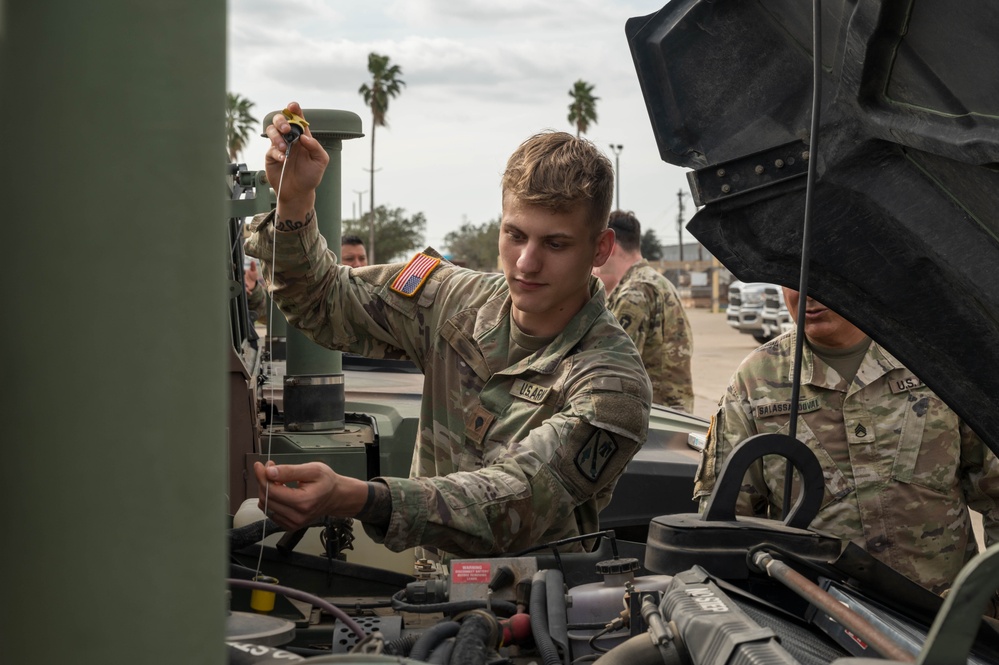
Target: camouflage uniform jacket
x,y
648,307
508,456
901,469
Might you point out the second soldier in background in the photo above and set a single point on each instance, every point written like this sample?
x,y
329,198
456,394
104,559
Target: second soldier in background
x,y
648,307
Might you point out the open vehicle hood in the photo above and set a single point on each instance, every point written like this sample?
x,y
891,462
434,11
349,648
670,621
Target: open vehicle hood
x,y
906,202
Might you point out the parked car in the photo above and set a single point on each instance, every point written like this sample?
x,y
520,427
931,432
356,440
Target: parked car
x,y
776,318
746,306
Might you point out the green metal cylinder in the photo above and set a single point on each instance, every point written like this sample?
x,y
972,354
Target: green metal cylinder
x,y
114,332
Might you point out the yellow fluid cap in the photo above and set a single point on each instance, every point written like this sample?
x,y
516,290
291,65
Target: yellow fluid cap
x,y
262,600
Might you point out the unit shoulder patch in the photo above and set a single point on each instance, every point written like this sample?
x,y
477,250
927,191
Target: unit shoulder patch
x,y
414,275
593,457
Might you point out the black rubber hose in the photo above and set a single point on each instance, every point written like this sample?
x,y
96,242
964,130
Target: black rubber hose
x,y
476,639
639,650
539,620
442,654
501,607
251,533
433,636
306,652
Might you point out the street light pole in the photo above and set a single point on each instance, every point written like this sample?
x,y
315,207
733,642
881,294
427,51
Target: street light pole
x,y
360,210
617,148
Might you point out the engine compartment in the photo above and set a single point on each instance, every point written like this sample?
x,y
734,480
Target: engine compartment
x,y
704,590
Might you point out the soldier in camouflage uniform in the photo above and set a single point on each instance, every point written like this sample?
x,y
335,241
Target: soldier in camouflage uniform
x,y
648,307
256,297
901,469
352,252
534,398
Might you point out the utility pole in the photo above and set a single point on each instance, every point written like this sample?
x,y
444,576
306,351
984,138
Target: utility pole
x,y
617,148
679,220
360,207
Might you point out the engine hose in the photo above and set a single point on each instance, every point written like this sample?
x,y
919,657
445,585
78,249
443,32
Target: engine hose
x,y
503,607
306,652
431,637
442,654
640,650
539,620
249,534
478,636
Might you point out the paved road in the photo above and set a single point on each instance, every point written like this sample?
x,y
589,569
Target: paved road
x,y
718,350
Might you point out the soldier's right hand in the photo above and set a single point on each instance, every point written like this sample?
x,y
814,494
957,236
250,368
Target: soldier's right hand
x,y
306,164
296,495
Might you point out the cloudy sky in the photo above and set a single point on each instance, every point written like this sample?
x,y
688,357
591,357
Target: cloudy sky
x,y
481,76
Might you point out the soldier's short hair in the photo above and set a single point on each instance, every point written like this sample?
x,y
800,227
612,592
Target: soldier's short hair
x,y
559,171
351,240
627,229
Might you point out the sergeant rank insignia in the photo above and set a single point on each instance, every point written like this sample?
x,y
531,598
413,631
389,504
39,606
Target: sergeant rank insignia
x,y
413,276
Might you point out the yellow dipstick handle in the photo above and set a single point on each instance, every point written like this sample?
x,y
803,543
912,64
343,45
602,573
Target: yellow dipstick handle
x,y
261,600
298,125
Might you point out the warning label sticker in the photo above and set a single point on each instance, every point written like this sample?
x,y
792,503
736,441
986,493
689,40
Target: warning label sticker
x,y
470,573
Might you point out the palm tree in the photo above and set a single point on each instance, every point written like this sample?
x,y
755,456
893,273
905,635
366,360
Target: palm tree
x,y
385,84
238,123
583,109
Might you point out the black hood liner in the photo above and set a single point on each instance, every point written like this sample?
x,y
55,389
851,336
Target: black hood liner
x,y
906,204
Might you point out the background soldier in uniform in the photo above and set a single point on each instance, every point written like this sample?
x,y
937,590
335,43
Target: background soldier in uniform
x,y
648,307
352,252
534,398
256,297
901,469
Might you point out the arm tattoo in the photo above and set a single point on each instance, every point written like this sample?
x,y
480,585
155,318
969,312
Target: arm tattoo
x,y
292,225
378,508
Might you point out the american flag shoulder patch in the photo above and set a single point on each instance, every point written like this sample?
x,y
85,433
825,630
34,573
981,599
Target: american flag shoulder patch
x,y
412,277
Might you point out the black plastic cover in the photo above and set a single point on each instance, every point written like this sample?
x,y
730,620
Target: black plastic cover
x,y
678,542
905,236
